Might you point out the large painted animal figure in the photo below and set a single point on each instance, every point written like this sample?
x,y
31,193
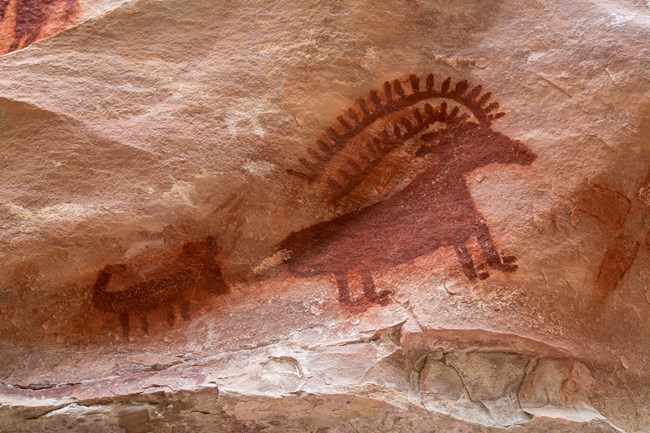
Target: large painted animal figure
x,y
434,210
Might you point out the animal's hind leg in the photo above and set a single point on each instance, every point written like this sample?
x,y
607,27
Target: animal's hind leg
x,y
185,309
124,321
342,284
171,318
490,252
103,279
465,259
143,321
371,292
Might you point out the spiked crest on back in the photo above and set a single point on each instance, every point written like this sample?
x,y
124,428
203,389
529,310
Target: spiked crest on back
x,y
346,154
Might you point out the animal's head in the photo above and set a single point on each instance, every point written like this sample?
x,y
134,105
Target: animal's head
x,y
471,145
201,258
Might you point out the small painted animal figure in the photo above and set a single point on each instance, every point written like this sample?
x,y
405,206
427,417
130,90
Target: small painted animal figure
x,y
434,210
195,268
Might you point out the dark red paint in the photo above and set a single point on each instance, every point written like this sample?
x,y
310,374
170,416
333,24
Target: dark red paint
x,y
171,276
195,268
435,210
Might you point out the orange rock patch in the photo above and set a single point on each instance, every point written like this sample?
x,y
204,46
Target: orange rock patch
x,y
25,21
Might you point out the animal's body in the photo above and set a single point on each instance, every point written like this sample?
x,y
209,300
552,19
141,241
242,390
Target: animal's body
x,y
435,210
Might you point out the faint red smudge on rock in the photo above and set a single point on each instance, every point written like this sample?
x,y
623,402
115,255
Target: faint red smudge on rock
x,y
618,259
611,208
607,206
25,21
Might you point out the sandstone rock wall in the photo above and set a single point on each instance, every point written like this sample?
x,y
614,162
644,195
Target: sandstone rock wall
x,y
324,216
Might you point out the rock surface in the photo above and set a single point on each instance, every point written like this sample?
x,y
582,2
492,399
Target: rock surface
x,y
282,217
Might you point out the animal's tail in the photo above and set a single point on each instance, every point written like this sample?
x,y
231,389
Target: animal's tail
x,y
272,261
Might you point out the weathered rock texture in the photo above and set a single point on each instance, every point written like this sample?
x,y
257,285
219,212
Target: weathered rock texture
x,y
336,216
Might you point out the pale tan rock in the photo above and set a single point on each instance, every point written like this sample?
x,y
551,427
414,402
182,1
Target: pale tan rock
x,y
558,389
151,175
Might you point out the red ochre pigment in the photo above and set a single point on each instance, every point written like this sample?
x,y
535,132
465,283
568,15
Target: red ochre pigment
x,y
434,210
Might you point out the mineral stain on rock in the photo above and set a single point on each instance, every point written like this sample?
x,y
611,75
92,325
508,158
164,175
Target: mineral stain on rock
x,y
434,210
644,192
24,21
134,420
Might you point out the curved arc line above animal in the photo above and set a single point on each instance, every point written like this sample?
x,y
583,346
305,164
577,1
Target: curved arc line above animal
x,y
394,98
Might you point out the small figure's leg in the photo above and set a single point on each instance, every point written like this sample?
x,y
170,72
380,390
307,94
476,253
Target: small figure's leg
x,y
105,275
185,309
143,321
490,252
371,292
171,317
124,321
465,259
103,279
344,291
216,282
368,286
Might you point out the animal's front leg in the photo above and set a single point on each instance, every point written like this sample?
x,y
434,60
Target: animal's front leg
x,y
142,314
217,283
465,259
124,321
490,252
171,317
342,284
370,291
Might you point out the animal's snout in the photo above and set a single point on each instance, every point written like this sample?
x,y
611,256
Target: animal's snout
x,y
522,154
